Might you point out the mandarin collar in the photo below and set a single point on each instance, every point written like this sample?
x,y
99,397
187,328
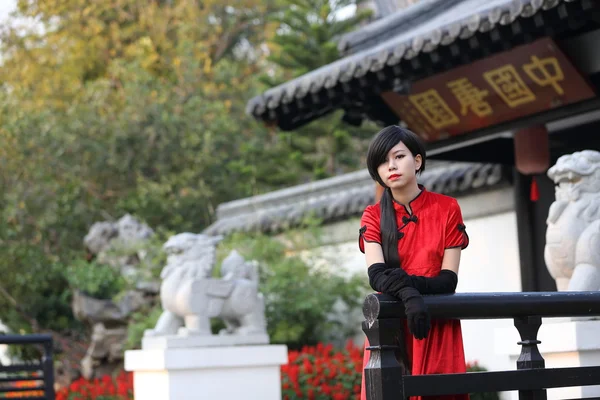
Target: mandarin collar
x,y
415,204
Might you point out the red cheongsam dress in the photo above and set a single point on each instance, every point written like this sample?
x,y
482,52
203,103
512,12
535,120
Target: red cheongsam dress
x,y
434,224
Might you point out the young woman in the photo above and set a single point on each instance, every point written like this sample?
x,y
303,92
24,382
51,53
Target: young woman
x,y
412,241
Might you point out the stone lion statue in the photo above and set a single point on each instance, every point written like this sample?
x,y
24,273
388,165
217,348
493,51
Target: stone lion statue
x,y
190,296
572,251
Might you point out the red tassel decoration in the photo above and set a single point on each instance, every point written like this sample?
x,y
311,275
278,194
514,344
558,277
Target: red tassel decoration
x,y
534,193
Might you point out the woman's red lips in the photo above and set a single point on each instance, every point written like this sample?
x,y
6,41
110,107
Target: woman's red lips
x,y
394,177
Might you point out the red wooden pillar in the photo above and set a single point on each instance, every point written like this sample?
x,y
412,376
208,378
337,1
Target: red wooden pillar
x,y
532,159
532,154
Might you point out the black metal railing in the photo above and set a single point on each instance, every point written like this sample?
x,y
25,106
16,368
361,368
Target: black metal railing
x,y
386,375
32,381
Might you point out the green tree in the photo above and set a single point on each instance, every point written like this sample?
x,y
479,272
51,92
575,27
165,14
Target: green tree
x,y
119,106
307,33
116,106
76,41
306,39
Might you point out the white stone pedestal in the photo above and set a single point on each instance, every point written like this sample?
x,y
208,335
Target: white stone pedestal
x,y
177,372
565,343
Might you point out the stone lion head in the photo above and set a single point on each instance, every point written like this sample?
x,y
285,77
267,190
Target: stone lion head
x,y
575,174
191,250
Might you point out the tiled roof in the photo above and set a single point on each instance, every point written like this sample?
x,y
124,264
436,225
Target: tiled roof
x,y
392,25
342,197
404,35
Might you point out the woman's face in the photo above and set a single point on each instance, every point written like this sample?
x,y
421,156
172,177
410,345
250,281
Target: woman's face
x,y
400,167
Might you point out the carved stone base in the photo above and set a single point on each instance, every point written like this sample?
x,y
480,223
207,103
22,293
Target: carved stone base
x,y
180,342
236,372
565,343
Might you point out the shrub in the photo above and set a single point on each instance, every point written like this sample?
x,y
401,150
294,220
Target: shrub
x,y
299,298
141,320
95,279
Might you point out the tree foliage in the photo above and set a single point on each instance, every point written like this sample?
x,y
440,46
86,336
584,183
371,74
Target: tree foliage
x,y
306,38
121,106
307,33
127,106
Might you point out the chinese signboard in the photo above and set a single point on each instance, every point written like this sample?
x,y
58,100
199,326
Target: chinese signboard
x,y
523,81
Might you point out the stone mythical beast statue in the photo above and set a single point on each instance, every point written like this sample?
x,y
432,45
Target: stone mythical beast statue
x,y
190,296
572,252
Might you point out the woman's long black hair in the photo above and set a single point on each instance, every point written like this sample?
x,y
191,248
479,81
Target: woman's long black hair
x,y
378,149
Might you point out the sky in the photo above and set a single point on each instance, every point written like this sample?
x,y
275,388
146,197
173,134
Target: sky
x,y
6,6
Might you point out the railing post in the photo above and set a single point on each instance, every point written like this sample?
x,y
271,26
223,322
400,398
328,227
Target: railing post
x,y
48,368
530,357
383,373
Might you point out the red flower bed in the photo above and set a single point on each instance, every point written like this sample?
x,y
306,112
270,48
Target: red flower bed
x,y
320,372
313,373
105,388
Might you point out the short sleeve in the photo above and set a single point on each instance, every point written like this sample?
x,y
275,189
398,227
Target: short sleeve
x,y
370,230
456,232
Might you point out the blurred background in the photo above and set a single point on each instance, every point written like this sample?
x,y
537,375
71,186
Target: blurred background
x,y
125,122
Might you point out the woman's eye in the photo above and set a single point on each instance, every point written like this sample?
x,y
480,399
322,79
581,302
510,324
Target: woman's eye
x,y
400,156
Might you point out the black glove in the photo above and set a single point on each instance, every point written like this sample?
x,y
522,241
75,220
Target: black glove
x,y
445,282
396,282
417,315
388,279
